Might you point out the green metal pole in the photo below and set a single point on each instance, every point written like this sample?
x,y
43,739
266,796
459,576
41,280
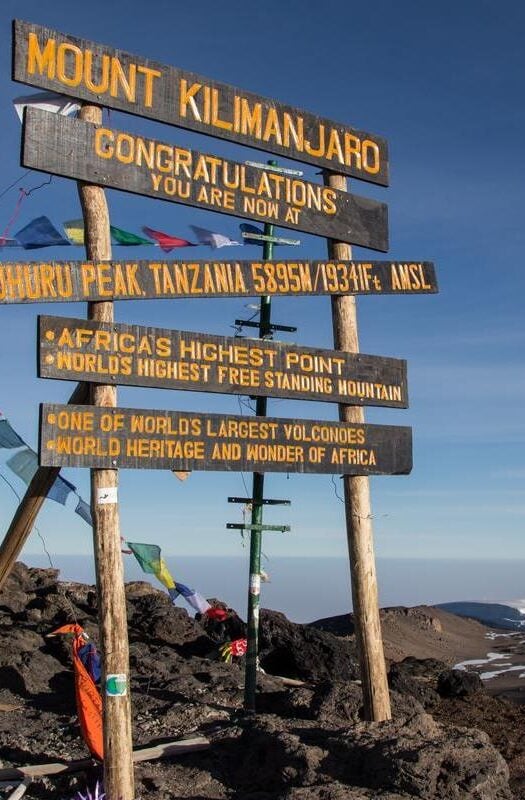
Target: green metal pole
x,y
252,653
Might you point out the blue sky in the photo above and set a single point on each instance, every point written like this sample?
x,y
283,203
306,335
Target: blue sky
x,y
443,83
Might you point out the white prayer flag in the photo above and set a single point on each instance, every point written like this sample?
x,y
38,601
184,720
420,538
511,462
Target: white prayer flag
x,y
47,101
212,239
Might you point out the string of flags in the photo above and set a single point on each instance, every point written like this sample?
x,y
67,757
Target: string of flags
x,y
24,463
41,232
150,559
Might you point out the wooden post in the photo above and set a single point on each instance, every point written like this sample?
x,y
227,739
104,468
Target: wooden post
x,y
118,749
31,503
359,517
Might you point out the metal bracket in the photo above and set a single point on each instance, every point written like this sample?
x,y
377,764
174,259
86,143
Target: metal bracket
x,y
262,237
240,526
248,323
264,501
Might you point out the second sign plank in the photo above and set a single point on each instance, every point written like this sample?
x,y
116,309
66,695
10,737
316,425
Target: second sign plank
x,y
120,160
136,355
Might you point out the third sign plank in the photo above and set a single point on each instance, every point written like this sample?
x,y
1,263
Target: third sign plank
x,y
71,281
136,355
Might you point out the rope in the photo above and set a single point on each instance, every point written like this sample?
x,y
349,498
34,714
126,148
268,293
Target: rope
x,y
21,197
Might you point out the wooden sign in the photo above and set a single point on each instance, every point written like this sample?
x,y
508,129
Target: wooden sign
x,y
134,355
73,281
115,79
87,436
107,157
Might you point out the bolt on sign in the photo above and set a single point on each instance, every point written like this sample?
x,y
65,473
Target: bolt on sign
x,y
116,438
135,355
119,160
72,281
115,79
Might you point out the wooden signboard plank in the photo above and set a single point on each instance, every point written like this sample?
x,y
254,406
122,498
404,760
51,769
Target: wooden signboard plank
x,y
136,355
132,163
73,281
86,436
115,79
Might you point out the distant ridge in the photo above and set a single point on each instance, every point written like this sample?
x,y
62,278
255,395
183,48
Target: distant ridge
x,y
495,615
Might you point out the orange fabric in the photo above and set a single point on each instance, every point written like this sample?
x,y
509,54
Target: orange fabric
x,y
89,702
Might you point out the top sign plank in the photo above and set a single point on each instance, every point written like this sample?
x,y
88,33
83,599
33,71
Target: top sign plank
x,y
99,74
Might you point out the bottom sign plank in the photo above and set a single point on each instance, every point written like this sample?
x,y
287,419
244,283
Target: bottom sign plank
x,y
85,436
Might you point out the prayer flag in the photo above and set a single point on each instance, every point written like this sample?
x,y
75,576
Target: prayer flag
x,y
149,558
165,241
211,238
89,702
61,490
9,438
90,658
24,464
40,232
236,648
47,101
74,229
195,600
118,236
84,511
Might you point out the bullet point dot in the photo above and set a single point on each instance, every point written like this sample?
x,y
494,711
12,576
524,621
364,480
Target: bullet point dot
x,y
51,418
50,445
50,359
50,335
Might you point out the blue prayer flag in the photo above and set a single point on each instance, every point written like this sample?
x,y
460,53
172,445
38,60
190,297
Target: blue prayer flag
x,y
9,438
40,232
24,464
84,511
61,490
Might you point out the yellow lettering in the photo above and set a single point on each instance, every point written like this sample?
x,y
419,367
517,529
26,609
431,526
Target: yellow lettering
x,y
38,60
76,78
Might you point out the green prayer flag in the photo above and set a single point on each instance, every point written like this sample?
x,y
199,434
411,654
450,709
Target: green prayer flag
x,y
149,558
118,236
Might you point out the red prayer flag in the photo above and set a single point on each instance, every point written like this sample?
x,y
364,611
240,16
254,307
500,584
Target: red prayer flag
x,y
165,241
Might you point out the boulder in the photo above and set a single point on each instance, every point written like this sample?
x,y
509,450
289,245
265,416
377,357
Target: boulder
x,y
417,678
418,757
301,651
458,683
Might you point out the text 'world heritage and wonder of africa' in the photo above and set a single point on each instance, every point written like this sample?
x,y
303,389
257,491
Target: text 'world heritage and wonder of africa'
x,y
83,436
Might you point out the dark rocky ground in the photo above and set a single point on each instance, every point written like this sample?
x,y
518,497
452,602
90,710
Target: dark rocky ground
x,y
448,738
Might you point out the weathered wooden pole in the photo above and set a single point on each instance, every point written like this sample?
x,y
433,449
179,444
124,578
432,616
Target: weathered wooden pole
x,y
31,503
118,748
359,516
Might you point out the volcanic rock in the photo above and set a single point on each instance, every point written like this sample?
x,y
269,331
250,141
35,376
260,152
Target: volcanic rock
x,y
458,683
307,742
